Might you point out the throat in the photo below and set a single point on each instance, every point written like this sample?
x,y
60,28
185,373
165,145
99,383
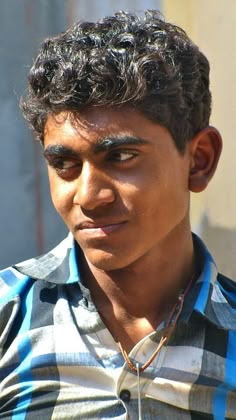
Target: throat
x,y
130,335
126,329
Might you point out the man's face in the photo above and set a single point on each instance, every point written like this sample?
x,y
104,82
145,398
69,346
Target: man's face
x,y
119,183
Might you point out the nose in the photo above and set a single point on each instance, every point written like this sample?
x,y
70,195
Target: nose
x,y
94,188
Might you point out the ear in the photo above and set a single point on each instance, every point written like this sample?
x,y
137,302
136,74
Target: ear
x,y
205,149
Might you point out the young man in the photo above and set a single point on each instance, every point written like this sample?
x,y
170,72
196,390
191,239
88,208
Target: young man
x,y
127,318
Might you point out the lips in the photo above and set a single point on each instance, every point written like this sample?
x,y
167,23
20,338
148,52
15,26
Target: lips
x,y
100,228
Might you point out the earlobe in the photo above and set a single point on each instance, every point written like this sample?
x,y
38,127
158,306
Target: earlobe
x,y
205,149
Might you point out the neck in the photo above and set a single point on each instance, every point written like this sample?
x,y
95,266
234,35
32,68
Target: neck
x,y
133,300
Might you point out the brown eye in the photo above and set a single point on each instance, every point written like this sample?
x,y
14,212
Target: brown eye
x,y
62,166
122,155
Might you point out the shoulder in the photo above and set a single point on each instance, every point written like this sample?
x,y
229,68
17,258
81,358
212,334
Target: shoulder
x,y
221,303
12,284
14,287
53,267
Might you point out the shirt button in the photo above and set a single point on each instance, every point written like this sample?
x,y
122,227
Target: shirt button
x,y
125,395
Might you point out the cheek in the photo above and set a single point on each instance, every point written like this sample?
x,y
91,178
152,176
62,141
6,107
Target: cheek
x,y
165,200
62,196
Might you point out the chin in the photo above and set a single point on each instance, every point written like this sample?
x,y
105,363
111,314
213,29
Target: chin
x,y
105,261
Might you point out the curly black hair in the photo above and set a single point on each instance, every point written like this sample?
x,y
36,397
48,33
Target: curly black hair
x,y
143,62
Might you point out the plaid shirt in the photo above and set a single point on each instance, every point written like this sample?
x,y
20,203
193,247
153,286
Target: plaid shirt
x,y
59,361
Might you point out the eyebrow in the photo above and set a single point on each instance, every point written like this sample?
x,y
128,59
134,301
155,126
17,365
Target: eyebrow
x,y
109,143
59,150
106,144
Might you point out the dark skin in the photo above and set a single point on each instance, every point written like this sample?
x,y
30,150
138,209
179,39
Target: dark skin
x,y
123,189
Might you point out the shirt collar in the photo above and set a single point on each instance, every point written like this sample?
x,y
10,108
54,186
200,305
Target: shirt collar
x,y
207,297
59,266
213,296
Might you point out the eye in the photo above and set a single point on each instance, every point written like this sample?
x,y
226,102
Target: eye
x,y
122,155
62,165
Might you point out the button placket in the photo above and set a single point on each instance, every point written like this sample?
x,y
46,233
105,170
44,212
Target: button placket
x,y
127,380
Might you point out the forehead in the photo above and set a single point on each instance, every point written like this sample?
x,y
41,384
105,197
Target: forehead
x,y
94,120
95,124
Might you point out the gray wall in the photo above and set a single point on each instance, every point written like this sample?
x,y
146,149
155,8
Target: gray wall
x,y
94,9
28,223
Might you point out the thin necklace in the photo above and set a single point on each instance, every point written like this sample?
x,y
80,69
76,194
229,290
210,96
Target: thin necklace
x,y
166,335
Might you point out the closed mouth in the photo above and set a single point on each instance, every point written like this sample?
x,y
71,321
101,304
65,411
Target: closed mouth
x,y
99,229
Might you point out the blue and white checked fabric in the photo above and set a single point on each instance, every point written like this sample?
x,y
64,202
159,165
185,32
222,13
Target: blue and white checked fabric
x,y
59,361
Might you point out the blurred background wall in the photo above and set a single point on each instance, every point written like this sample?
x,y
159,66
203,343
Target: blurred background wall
x,y
211,24
28,223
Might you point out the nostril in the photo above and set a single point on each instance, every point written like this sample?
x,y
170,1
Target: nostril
x,y
93,197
